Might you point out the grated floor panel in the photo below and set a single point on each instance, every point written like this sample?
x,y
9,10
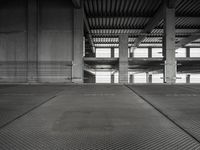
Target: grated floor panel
x,y
17,100
180,103
94,117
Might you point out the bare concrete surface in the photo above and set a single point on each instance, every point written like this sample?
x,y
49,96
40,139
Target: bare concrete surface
x,y
87,117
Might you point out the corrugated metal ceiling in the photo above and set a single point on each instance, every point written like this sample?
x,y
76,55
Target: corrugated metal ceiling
x,y
114,17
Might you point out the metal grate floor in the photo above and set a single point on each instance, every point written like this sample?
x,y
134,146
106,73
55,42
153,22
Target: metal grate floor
x,y
90,117
17,100
180,103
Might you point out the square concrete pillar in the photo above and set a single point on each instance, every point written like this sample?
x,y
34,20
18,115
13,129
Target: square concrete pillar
x,y
131,78
32,41
123,58
77,67
188,78
112,52
187,52
148,78
169,45
131,52
149,52
112,78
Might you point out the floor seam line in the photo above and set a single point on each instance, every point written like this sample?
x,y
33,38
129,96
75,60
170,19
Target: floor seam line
x,y
28,111
165,115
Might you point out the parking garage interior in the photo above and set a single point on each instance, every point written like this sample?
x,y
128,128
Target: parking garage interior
x,y
99,74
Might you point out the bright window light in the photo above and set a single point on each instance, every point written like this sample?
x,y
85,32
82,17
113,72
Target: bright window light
x,y
140,78
116,75
103,77
116,52
195,78
103,52
141,52
157,52
157,78
194,52
181,78
181,52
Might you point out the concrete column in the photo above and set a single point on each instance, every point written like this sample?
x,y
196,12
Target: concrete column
x,y
77,70
148,78
123,58
169,44
112,52
149,52
32,41
112,78
188,78
131,52
188,52
131,78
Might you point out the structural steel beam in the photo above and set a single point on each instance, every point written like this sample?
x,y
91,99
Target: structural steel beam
x,y
151,25
188,40
89,32
76,3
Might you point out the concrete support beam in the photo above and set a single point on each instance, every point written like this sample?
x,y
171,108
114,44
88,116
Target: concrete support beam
x,y
169,45
89,35
152,23
112,78
187,40
32,41
131,78
131,52
112,52
77,70
149,52
123,58
187,52
148,78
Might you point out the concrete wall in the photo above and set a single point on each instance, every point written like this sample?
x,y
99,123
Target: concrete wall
x,y
55,41
13,44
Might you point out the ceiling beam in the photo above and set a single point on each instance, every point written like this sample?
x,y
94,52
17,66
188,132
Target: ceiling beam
x,y
188,40
76,3
152,23
89,33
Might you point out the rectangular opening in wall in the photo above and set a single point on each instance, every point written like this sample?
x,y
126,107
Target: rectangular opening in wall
x,y
116,52
181,78
194,52
157,53
140,53
116,77
157,78
140,78
180,52
103,77
194,78
103,53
